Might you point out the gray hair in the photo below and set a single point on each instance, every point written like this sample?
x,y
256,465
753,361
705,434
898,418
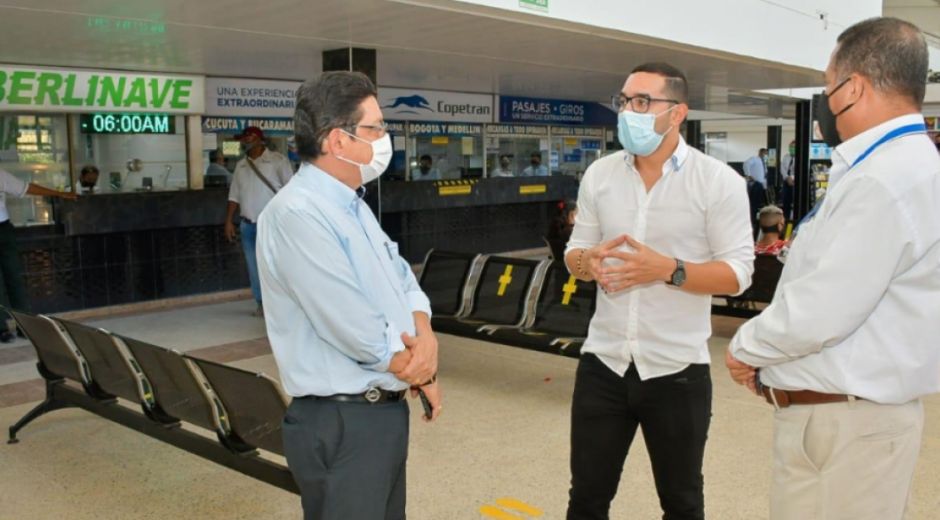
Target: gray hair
x,y
327,102
890,52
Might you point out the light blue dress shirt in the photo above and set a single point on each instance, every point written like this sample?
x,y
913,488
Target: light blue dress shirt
x,y
538,171
337,295
756,169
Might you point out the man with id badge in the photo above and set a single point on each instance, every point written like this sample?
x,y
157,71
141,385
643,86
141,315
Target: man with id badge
x,y
348,324
849,345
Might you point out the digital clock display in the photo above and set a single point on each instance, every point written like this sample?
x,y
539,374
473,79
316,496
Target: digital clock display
x,y
127,124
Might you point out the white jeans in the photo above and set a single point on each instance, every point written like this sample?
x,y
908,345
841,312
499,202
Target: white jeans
x,y
852,460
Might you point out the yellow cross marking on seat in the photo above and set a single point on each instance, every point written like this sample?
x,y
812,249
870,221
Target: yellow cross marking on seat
x,y
569,288
504,281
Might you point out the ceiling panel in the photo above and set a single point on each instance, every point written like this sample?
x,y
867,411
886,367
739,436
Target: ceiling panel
x,y
417,46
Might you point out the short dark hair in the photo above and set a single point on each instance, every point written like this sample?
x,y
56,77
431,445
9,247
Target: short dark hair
x,y
762,150
504,156
88,168
214,155
677,86
890,52
425,156
535,154
330,101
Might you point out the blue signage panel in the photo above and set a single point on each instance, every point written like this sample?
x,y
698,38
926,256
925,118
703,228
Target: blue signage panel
x,y
554,111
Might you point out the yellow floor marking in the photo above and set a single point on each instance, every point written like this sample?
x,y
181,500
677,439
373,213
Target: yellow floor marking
x,y
499,514
518,505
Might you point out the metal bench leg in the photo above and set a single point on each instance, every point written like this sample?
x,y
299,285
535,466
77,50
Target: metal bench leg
x,y
50,404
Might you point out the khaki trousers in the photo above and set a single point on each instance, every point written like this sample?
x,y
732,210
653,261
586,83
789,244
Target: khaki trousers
x,y
852,460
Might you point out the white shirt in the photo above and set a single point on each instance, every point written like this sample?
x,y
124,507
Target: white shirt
x,y
337,295
786,166
755,169
697,212
249,192
10,185
499,172
83,190
855,311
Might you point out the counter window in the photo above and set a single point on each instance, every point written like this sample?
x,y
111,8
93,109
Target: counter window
x,y
445,151
574,154
35,148
133,152
516,157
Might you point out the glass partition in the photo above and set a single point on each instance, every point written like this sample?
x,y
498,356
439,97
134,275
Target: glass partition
x,y
442,151
35,148
517,151
133,152
575,148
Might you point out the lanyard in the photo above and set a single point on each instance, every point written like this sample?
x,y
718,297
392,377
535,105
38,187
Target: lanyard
x,y
916,128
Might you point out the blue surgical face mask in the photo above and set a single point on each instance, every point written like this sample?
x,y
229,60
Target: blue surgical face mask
x,y
637,132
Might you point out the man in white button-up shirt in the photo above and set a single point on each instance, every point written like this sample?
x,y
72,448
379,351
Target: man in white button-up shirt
x,y
258,177
12,289
661,227
850,342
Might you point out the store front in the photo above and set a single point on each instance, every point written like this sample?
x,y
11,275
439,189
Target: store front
x,y
573,134
146,231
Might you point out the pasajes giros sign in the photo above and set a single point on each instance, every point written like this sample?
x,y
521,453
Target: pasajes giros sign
x,y
71,90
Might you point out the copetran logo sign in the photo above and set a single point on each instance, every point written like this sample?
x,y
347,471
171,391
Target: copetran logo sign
x,y
411,104
435,105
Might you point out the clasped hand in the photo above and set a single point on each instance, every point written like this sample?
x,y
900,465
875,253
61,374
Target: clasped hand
x,y
644,265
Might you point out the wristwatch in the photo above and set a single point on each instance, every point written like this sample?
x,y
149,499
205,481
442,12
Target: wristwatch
x,y
678,276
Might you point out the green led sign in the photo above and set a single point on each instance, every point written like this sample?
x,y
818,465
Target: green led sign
x,y
123,123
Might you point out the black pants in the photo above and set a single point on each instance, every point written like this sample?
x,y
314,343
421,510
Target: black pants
x,y
786,202
12,288
348,458
674,412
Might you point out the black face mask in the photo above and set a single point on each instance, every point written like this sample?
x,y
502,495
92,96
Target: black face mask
x,y
770,229
826,119
424,169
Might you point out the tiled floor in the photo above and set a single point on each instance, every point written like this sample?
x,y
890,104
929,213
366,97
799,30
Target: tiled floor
x,y
504,434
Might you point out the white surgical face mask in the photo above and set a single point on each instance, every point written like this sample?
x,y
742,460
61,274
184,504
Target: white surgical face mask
x,y
381,157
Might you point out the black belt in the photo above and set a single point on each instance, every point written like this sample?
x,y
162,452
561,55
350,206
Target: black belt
x,y
372,396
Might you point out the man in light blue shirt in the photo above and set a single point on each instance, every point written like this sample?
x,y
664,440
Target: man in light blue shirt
x,y
348,324
535,168
756,168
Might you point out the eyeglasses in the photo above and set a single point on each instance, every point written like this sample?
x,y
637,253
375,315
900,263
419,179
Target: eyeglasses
x,y
381,129
639,103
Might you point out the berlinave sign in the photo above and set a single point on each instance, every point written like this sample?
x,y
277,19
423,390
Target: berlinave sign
x,y
70,90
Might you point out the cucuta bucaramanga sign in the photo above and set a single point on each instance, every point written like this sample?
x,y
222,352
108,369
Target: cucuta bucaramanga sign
x,y
41,89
